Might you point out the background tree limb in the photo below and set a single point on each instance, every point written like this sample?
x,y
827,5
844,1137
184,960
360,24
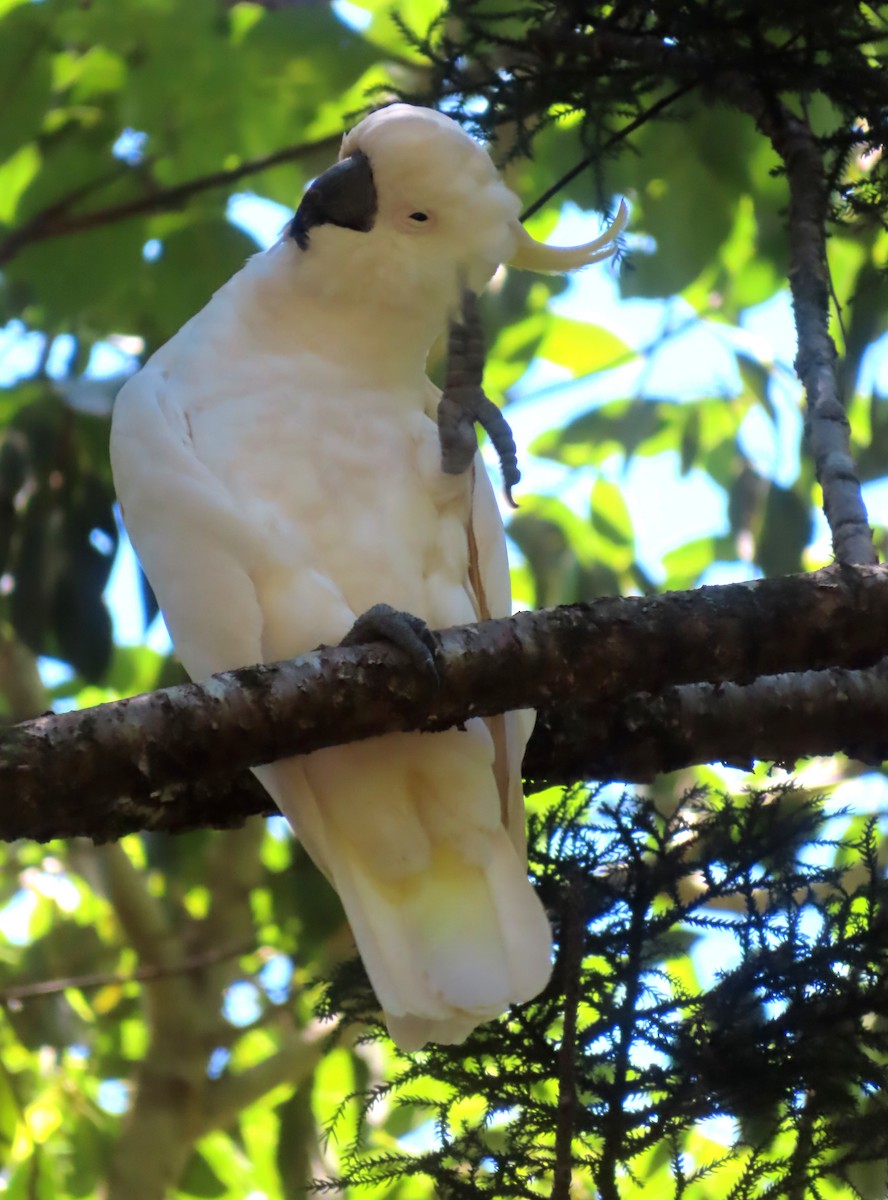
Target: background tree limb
x,y
57,219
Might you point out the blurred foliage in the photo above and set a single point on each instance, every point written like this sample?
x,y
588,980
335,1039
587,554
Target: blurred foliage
x,y
658,413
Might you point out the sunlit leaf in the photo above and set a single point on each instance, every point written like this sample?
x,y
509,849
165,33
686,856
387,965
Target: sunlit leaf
x,y
15,175
582,348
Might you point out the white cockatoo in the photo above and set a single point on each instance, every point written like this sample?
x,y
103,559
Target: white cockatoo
x,y
279,469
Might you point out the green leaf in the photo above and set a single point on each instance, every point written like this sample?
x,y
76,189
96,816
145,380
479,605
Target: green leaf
x,y
582,348
93,275
91,74
686,564
609,514
91,1146
516,345
869,1179
627,426
9,1113
569,559
199,1179
134,669
15,175
34,1179
78,161
194,262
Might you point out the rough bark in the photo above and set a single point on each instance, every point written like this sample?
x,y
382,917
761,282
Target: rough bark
x,y
101,772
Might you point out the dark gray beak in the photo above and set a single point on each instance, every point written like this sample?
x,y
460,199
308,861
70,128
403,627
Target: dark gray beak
x,y
345,196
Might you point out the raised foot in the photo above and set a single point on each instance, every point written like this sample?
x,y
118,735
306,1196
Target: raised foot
x,y
463,401
408,633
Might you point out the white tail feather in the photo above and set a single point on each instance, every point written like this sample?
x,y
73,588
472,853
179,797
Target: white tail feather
x,y
456,948
448,926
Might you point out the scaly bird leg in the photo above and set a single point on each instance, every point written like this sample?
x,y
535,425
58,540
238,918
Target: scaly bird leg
x,y
463,401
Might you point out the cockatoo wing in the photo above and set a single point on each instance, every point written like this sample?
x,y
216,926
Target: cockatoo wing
x,y
216,562
211,560
196,547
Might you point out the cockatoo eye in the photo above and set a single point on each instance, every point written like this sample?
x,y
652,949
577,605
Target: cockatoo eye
x,y
419,216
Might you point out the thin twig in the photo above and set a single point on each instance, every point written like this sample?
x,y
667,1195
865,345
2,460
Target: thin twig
x,y
145,974
621,134
799,1174
614,1148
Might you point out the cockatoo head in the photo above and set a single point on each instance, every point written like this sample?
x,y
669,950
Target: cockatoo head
x,y
415,209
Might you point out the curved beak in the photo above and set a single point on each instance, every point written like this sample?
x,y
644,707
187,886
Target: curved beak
x,y
345,195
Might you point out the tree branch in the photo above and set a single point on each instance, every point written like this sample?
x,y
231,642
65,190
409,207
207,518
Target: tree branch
x,y
816,362
56,220
103,771
779,718
144,974
141,915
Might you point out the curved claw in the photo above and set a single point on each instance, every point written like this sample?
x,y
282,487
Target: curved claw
x,y
497,428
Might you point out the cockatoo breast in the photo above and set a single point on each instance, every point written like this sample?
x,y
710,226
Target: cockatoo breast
x,y
339,468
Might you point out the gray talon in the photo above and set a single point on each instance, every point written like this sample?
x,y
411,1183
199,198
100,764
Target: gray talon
x,y
408,633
